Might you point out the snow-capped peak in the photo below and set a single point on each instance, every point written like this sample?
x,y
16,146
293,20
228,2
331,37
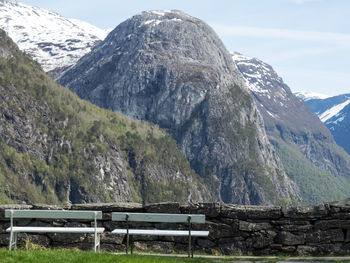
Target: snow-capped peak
x,y
156,17
159,12
259,76
238,57
52,40
307,95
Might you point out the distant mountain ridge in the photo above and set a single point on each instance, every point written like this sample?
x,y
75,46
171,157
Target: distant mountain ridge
x,y
334,112
306,147
52,40
307,95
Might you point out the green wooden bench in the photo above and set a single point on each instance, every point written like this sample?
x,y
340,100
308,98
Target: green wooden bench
x,y
53,214
159,218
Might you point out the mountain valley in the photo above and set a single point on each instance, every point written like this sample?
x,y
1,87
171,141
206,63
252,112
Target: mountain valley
x,y
183,120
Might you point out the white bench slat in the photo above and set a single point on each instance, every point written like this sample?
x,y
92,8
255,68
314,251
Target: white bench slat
x,y
157,232
53,214
28,229
160,218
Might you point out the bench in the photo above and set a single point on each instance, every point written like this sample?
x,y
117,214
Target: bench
x,y
53,214
159,218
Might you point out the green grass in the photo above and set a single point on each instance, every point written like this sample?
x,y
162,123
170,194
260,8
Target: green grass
x,y
77,256
67,256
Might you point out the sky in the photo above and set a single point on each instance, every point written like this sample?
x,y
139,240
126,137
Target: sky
x,y
306,41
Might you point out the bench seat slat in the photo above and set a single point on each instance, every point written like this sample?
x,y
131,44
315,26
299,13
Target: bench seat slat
x,y
157,232
54,214
29,229
154,217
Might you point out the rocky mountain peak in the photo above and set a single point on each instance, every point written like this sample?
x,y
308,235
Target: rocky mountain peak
x,y
260,76
155,43
278,105
172,69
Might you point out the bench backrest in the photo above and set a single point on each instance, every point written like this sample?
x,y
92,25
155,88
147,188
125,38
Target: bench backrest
x,y
159,218
54,214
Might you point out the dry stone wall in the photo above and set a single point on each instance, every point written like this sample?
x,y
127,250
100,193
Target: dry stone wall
x,y
234,229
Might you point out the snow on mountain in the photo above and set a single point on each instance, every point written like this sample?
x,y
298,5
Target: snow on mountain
x,y
301,140
278,105
259,76
333,112
328,109
52,40
307,95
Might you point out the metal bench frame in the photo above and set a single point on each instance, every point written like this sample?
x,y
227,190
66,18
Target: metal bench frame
x,y
160,218
54,214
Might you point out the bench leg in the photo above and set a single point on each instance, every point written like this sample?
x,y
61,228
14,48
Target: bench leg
x,y
127,243
131,244
192,249
99,243
15,243
191,241
10,243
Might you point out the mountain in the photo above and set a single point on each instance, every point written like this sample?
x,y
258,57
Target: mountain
x,y
334,112
308,152
52,40
171,69
308,95
56,148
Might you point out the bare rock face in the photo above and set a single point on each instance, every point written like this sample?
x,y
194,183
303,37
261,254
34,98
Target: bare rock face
x,y
172,69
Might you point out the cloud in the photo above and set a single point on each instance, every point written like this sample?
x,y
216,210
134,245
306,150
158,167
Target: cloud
x,y
276,33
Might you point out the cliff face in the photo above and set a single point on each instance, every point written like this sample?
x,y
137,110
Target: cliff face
x,y
306,147
171,69
56,148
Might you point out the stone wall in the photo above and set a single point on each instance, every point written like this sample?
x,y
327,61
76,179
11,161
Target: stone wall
x,y
234,229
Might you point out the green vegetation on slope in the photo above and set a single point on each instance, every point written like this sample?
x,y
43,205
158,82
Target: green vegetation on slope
x,y
68,135
316,185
